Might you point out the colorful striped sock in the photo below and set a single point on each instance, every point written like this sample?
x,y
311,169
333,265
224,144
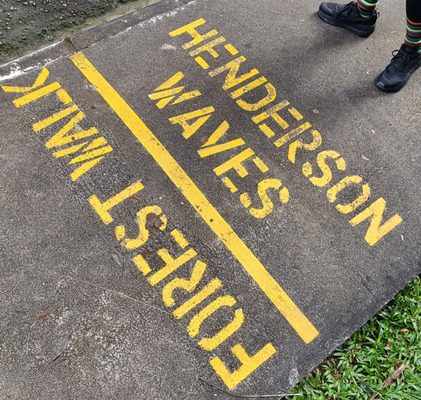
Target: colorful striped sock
x,y
413,34
366,7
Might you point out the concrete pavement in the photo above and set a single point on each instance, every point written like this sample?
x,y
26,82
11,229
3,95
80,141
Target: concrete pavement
x,y
202,190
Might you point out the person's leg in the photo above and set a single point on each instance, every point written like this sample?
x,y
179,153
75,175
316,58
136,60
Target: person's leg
x,y
366,8
408,59
359,18
413,24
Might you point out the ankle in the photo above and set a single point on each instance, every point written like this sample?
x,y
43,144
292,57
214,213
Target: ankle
x,y
366,8
411,49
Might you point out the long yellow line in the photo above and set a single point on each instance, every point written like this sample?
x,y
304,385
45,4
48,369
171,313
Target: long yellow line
x,y
198,200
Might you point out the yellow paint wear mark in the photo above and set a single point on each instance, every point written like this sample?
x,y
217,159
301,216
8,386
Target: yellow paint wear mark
x,y
196,322
217,134
41,78
267,204
188,285
202,62
142,222
231,49
220,148
260,164
37,94
233,67
267,131
187,96
209,48
326,178
84,168
332,193
210,344
248,364
199,117
71,138
295,113
62,137
248,87
103,208
97,148
168,84
64,97
171,264
92,152
74,149
142,265
235,163
179,238
272,113
203,294
166,93
200,203
376,229
269,98
291,135
191,30
45,123
88,154
300,145
229,184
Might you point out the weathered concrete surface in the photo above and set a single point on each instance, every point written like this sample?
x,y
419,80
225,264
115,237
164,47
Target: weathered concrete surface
x,y
67,284
27,23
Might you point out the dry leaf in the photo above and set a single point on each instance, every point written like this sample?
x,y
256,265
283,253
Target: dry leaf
x,y
42,315
153,221
394,377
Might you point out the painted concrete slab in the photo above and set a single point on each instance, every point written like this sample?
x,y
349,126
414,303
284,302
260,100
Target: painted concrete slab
x,y
200,193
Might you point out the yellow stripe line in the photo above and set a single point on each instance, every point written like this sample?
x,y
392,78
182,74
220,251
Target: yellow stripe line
x,y
198,200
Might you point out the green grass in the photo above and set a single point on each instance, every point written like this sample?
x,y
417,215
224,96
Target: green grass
x,y
359,368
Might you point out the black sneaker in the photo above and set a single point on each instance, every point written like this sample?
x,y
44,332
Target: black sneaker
x,y
348,16
404,63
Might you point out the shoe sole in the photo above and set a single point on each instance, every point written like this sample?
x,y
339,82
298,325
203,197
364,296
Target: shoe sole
x,y
333,21
396,88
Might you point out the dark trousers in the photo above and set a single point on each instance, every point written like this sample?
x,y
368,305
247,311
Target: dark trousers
x,y
413,10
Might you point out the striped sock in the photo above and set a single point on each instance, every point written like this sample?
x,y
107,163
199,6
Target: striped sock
x,y
366,7
413,34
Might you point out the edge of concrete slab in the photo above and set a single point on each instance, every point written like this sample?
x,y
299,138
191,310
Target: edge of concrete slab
x,y
85,38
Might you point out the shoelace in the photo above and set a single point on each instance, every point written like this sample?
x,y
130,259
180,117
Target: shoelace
x,y
351,5
347,7
400,59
